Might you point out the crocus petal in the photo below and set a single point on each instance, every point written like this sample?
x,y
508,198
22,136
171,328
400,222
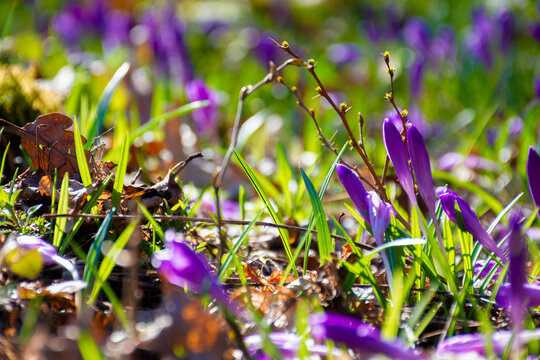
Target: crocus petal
x,y
533,175
422,168
530,293
470,221
207,117
379,216
469,343
47,250
355,189
357,334
481,264
398,155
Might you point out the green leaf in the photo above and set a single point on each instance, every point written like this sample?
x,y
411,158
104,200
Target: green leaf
x,y
150,218
82,162
324,240
120,173
95,249
88,347
158,121
110,259
277,220
394,243
229,257
60,223
97,125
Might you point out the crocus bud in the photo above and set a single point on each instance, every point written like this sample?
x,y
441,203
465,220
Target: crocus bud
x,y
355,189
470,222
533,175
379,216
476,343
398,155
422,168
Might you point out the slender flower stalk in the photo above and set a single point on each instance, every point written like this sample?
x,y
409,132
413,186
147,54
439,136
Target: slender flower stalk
x,y
397,152
358,335
467,220
533,175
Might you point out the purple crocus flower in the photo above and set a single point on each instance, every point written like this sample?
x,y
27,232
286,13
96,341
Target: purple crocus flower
x,y
516,269
229,209
531,295
476,343
416,34
182,267
205,118
535,32
422,167
481,264
287,343
507,24
380,214
416,71
533,175
358,335
398,155
478,40
468,219
443,46
357,192
343,53
49,255
536,87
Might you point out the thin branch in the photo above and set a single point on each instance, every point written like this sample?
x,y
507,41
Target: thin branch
x,y
202,220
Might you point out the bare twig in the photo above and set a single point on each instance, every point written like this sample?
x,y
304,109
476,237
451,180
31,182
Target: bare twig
x,y
202,220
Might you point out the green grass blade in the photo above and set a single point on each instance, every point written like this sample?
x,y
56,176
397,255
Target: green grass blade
x,y
97,125
388,245
108,262
229,257
277,220
88,347
4,161
82,162
150,218
158,121
95,249
324,240
284,176
7,25
118,185
92,201
63,202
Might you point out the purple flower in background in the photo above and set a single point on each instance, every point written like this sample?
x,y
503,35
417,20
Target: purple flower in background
x,y
516,126
533,175
536,87
476,343
535,32
205,118
530,293
357,335
343,53
468,219
416,34
266,50
229,209
117,26
416,71
487,266
182,267
357,192
507,25
478,40
397,153
443,45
